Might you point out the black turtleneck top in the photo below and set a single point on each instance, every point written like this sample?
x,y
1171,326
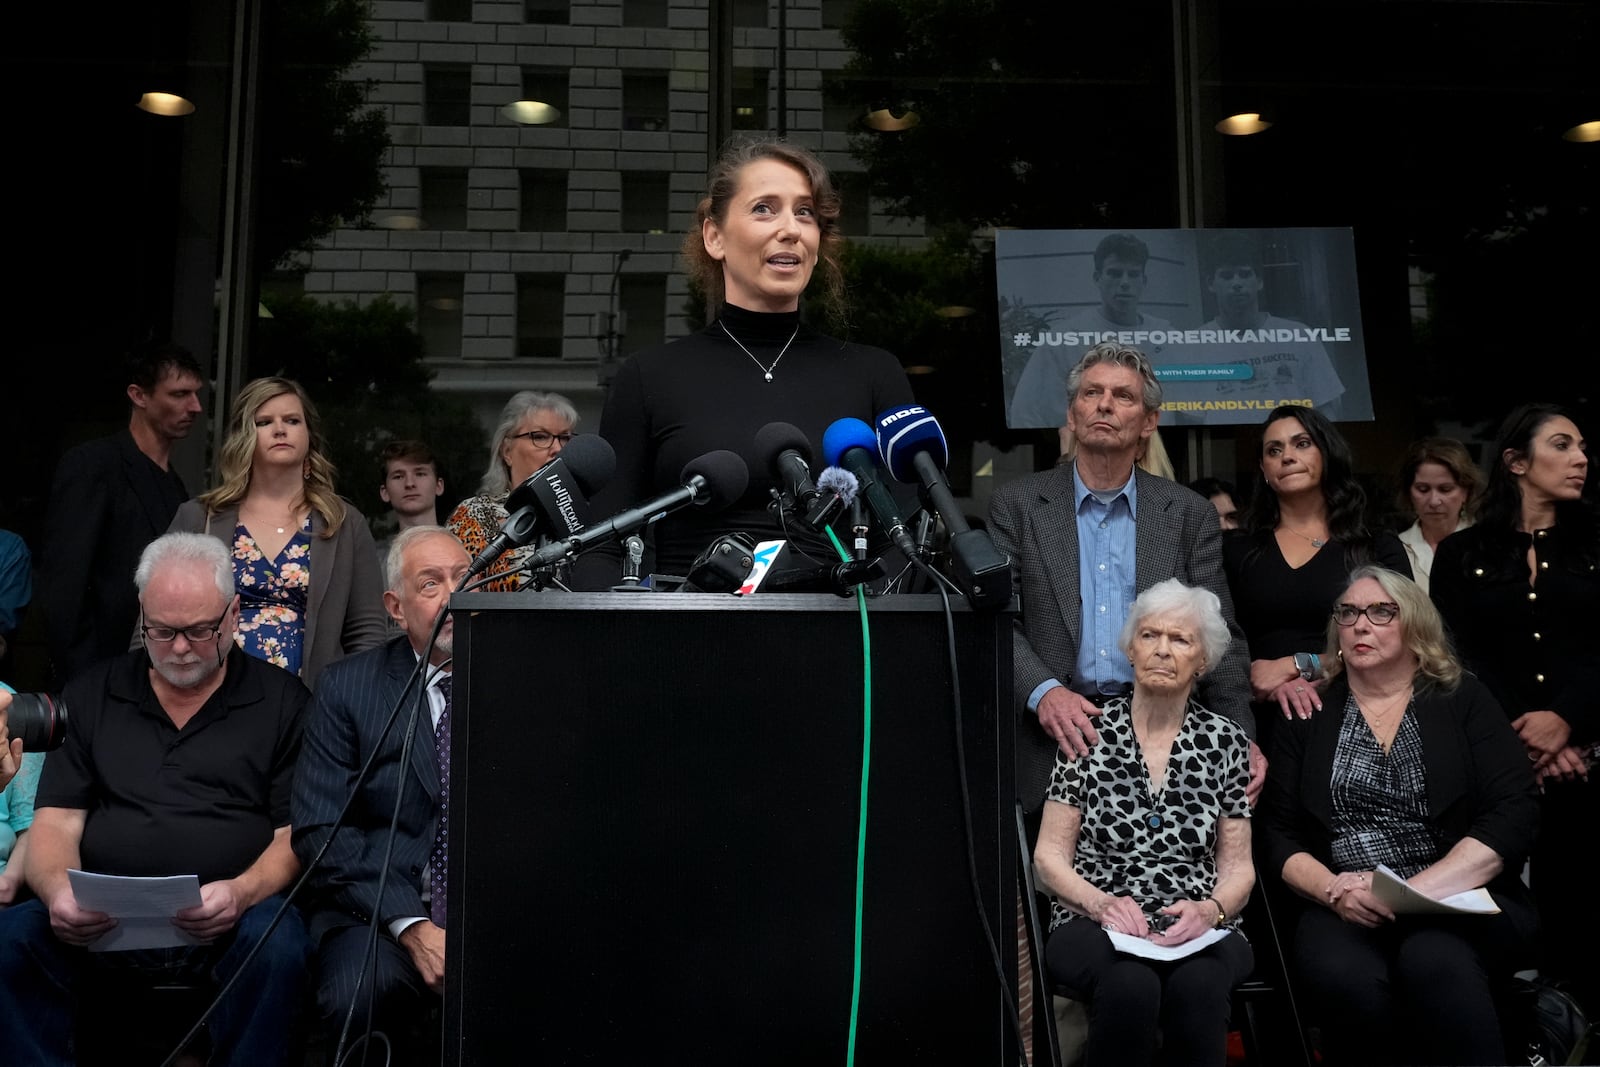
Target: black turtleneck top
x,y
677,401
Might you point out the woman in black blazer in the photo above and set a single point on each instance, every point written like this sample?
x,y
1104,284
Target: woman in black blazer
x,y
1410,764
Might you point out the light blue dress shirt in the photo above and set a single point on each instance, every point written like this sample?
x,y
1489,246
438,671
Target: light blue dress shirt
x,y
1106,542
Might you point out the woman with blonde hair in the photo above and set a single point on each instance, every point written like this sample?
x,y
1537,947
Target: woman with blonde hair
x,y
1409,765
533,429
303,559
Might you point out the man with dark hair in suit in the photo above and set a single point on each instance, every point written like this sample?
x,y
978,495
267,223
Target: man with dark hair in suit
x,y
1085,539
111,497
353,700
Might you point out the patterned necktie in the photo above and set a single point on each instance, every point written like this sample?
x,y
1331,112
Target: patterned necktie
x,y
441,838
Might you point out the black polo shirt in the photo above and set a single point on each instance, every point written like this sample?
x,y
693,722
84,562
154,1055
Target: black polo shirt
x,y
161,801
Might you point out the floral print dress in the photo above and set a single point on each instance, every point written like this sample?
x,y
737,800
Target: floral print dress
x,y
273,594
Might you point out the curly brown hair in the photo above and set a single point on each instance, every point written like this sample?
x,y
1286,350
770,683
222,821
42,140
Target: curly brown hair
x,y
723,182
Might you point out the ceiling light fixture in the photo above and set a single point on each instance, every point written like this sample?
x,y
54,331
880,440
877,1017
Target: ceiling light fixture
x,y
886,121
1243,124
1583,133
169,105
531,112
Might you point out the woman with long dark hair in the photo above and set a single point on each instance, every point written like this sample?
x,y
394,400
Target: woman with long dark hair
x,y
1519,592
1305,530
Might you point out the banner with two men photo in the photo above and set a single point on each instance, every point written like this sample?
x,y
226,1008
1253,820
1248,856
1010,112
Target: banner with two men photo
x,y
1235,321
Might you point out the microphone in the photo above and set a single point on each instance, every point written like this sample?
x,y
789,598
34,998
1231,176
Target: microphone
x,y
783,449
553,499
913,447
836,490
561,488
715,479
850,443
840,578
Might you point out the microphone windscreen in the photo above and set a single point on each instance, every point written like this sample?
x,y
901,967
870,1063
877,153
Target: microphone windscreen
x,y
777,437
727,476
840,482
905,431
844,435
591,460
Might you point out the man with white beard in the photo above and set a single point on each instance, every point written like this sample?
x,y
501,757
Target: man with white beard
x,y
177,760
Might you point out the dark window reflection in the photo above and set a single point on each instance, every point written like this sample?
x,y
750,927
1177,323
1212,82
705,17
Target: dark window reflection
x,y
447,94
450,10
544,200
644,201
750,12
646,13
439,299
643,299
644,101
539,322
546,12
444,198
750,98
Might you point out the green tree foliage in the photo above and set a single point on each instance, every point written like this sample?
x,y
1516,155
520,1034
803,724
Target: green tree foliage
x,y
322,147
363,367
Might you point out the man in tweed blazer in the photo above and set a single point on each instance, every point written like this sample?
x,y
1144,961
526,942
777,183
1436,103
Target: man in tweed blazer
x,y
1140,530
353,700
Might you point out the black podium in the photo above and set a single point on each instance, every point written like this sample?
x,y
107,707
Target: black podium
x,y
654,828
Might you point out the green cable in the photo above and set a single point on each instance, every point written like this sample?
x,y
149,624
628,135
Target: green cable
x,y
861,830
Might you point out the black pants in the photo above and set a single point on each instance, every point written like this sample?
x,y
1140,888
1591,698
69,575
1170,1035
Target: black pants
x,y
1562,877
401,1000
1130,999
1417,990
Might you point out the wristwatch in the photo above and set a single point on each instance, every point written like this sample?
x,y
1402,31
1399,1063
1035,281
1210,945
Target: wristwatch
x,y
1308,664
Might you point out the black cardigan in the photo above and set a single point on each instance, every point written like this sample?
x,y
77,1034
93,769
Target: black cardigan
x,y
1480,783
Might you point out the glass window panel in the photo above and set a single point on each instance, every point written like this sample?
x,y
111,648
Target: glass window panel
x,y
643,299
444,198
447,94
644,201
544,201
439,298
540,299
644,101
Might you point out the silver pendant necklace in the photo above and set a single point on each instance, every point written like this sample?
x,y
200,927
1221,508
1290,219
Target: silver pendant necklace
x,y
764,370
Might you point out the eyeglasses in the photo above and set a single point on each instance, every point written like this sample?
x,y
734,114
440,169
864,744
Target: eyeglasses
x,y
1380,614
195,635
544,438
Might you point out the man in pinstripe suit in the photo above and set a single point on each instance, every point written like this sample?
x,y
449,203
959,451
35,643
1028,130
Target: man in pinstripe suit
x,y
353,701
1086,538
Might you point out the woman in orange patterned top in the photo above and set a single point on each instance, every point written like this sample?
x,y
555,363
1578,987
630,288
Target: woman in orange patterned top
x,y
534,427
303,557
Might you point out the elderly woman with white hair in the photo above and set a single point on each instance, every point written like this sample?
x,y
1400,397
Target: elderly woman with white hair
x,y
533,429
1148,837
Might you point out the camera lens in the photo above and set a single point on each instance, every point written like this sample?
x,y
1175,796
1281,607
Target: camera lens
x,y
39,719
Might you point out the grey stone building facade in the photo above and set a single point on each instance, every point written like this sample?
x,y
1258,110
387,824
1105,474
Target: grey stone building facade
x,y
507,237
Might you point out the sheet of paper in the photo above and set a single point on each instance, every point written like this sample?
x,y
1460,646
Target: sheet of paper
x,y
1138,946
143,908
1403,900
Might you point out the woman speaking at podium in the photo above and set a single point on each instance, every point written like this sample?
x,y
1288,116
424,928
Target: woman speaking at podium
x,y
768,222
